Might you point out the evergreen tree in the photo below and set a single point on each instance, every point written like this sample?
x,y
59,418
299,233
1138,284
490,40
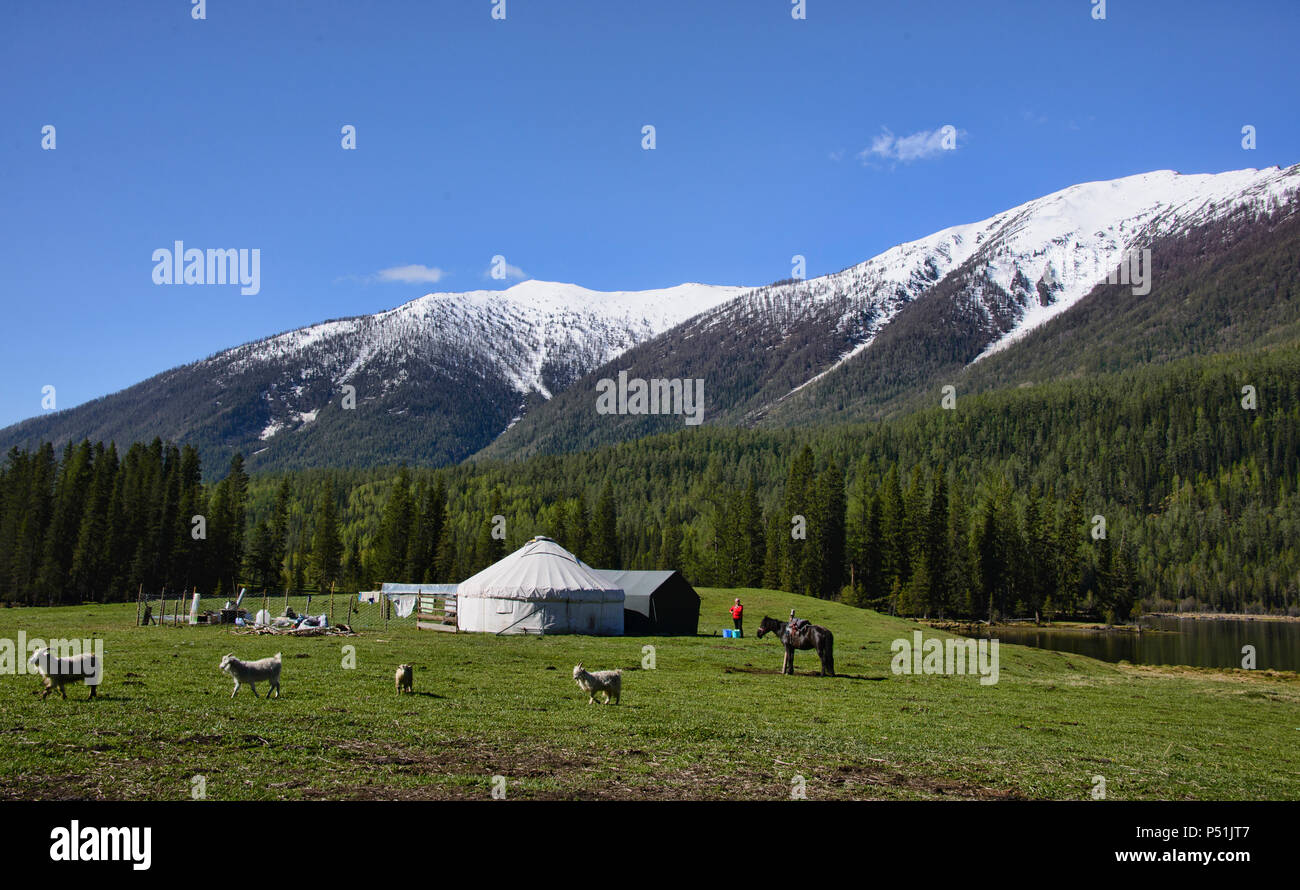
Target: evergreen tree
x,y
938,555
326,547
874,589
490,548
896,555
670,549
279,534
829,510
754,539
395,529
604,542
777,531
801,564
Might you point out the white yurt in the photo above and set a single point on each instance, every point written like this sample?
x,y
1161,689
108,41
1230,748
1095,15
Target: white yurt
x,y
541,588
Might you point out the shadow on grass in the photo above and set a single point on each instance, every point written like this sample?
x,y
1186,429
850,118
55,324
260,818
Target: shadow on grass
x,y
797,673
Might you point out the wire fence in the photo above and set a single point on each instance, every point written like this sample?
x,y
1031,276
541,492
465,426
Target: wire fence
x,y
171,610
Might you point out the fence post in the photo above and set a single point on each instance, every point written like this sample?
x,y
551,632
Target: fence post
x,y
138,597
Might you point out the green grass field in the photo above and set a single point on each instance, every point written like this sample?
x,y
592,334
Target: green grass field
x,y
713,719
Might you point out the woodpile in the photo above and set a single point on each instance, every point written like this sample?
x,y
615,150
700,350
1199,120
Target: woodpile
x,y
338,630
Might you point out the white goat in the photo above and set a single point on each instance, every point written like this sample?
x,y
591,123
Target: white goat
x,y
596,682
405,678
253,672
61,670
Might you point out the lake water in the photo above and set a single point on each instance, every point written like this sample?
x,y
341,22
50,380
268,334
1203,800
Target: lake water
x,y
1198,642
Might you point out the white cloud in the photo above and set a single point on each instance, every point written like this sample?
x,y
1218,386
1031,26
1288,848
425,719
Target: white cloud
x,y
412,274
919,146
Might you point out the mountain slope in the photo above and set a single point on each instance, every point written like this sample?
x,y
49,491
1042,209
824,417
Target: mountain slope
x,y
1228,285
858,342
435,379
512,373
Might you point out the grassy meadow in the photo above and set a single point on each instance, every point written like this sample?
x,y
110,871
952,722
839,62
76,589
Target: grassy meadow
x,y
713,719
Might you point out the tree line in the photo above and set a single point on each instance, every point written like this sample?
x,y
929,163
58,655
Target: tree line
x,y
1153,489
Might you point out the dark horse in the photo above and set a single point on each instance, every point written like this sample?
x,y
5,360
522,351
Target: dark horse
x,y
810,636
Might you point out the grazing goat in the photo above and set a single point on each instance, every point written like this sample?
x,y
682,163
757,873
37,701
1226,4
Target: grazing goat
x,y
601,681
405,679
61,670
253,672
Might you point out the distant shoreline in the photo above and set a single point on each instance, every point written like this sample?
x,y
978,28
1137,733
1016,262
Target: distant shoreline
x,y
1224,616
979,628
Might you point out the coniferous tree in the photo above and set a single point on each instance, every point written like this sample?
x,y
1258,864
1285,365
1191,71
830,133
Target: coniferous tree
x,y
604,545
326,546
670,549
432,530
754,538
395,530
577,523
279,533
489,547
773,559
874,591
829,510
896,556
990,556
938,556
801,564
960,572
261,570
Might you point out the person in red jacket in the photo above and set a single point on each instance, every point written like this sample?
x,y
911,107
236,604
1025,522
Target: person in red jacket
x,y
737,611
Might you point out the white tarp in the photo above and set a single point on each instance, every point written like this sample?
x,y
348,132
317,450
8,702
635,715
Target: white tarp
x,y
540,588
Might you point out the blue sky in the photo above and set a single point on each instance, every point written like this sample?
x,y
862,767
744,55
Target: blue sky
x,y
522,138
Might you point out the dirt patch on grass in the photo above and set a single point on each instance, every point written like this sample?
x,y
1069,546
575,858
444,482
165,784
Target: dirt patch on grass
x,y
858,777
463,770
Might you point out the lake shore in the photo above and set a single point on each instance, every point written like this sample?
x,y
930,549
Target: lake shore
x,y
1223,616
981,628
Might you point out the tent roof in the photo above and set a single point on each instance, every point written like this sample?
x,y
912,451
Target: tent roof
x,y
541,570
636,585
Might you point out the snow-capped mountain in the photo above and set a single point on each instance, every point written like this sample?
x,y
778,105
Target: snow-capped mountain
x,y
1035,260
947,300
537,336
433,380
446,376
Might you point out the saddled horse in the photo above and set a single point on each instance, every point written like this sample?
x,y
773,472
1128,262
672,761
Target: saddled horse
x,y
809,636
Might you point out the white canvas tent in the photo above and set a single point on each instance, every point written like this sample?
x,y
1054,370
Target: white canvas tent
x,y
541,588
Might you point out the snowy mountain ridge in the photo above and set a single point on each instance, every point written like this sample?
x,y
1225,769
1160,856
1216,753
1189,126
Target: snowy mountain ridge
x,y
447,375
836,345
537,335
1070,241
